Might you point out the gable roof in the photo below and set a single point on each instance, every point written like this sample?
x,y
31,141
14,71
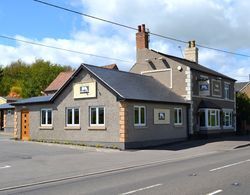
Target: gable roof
x,y
194,65
131,86
125,85
59,81
240,86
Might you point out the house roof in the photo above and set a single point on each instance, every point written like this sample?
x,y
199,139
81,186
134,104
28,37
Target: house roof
x,y
240,86
111,66
33,100
6,106
125,85
131,86
194,65
59,81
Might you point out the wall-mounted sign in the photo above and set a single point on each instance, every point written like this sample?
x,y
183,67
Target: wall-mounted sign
x,y
85,90
216,88
204,87
161,116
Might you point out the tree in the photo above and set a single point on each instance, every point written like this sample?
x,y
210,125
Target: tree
x,y
242,109
30,79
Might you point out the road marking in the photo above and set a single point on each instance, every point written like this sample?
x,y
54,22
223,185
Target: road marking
x,y
5,167
215,192
141,189
230,165
102,172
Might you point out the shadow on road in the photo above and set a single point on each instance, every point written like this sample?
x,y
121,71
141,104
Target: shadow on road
x,y
196,142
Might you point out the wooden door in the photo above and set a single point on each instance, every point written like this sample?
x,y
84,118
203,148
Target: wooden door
x,y
25,125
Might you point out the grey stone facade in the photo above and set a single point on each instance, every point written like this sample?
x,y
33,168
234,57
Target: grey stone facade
x,y
111,134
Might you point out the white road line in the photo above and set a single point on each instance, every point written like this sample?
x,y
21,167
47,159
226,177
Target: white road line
x,y
5,167
215,192
230,165
141,189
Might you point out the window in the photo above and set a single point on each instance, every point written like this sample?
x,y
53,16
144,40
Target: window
x,y
210,118
228,118
226,91
178,116
139,115
72,116
97,116
10,112
46,117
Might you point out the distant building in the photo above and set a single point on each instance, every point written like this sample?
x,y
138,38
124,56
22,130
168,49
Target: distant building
x,y
243,87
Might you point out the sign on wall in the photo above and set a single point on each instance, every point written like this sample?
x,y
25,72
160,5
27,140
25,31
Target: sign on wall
x,y
216,89
204,87
85,90
161,116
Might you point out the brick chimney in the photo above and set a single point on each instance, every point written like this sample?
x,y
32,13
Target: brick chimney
x,y
142,37
191,52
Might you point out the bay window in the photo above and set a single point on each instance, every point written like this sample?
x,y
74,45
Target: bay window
x,y
210,118
228,118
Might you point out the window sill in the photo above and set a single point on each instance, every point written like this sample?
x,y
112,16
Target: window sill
x,y
97,128
228,127
210,128
178,125
72,128
140,127
46,127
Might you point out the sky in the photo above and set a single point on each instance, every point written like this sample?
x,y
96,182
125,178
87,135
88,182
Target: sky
x,y
220,24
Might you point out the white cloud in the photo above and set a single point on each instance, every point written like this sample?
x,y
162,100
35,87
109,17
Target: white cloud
x,y
222,24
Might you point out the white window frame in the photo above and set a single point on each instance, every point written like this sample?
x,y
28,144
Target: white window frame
x,y
140,124
73,116
211,112
179,120
227,91
97,116
46,117
228,113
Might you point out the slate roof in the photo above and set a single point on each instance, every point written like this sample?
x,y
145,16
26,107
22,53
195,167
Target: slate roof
x,y
239,86
6,106
131,86
59,81
125,85
33,100
194,65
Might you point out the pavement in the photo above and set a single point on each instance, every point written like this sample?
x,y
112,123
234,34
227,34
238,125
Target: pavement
x,y
23,163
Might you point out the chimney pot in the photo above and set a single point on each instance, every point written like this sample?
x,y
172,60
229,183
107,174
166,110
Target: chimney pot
x,y
139,28
143,28
193,43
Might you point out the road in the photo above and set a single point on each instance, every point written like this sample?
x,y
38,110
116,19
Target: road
x,y
221,172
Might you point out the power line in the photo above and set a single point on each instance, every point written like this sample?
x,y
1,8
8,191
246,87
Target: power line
x,y
133,28
63,49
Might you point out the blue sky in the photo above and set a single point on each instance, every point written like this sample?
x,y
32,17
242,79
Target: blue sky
x,y
222,24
